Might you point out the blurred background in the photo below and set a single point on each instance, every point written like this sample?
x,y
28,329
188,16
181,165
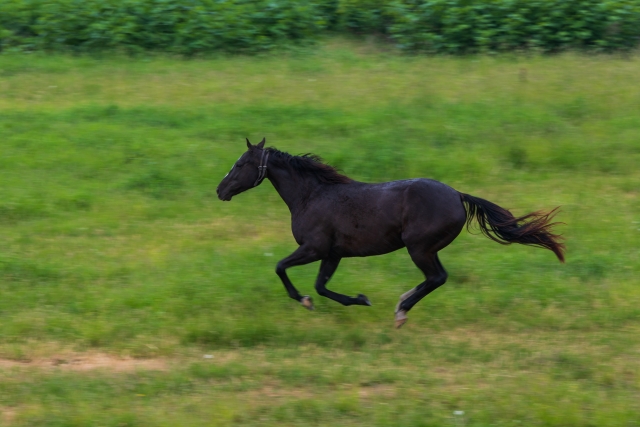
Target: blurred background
x,y
131,296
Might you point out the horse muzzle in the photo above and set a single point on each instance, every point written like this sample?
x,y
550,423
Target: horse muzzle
x,y
222,196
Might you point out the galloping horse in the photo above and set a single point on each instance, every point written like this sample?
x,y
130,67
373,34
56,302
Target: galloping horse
x,y
335,217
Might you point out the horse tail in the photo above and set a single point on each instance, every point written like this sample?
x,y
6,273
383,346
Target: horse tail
x,y
501,226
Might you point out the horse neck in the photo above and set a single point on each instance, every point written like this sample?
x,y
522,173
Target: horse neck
x,y
293,188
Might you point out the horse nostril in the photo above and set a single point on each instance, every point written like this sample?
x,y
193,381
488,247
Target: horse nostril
x,y
217,191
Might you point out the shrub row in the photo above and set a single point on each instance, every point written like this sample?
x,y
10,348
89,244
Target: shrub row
x,y
436,26
459,26
177,26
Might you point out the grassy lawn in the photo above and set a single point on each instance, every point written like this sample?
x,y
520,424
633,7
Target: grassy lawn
x,y
131,296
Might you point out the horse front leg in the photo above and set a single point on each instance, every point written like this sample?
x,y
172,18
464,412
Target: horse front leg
x,y
328,266
301,256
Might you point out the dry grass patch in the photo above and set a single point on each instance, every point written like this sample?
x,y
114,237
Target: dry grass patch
x,y
88,362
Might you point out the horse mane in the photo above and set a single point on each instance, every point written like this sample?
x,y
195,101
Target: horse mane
x,y
310,164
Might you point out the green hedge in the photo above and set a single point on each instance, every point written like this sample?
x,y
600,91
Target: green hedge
x,y
459,26
178,26
436,26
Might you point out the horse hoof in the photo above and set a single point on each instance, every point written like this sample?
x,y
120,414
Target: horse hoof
x,y
364,300
401,318
307,303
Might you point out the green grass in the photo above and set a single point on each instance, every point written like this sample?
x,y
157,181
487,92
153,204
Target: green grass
x,y
113,241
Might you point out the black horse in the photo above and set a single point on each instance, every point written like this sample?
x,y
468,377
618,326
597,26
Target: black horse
x,y
333,217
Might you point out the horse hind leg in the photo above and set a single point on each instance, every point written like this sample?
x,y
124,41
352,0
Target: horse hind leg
x,y
435,275
401,316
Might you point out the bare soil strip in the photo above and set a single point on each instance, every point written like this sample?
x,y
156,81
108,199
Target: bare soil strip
x,y
88,362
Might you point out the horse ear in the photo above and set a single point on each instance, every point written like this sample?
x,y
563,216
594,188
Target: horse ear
x,y
248,143
261,143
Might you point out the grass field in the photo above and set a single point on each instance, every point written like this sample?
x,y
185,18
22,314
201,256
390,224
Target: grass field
x,y
131,296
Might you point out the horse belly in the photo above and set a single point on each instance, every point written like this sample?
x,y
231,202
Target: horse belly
x,y
367,241
368,222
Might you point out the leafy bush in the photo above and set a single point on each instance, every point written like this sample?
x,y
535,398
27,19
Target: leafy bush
x,y
460,26
363,16
184,27
435,26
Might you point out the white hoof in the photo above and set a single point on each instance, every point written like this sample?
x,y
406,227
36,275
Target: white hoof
x,y
306,302
401,318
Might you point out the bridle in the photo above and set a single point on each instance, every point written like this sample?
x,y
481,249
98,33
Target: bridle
x,y
262,169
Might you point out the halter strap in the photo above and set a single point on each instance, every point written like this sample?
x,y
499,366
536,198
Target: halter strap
x,y
262,169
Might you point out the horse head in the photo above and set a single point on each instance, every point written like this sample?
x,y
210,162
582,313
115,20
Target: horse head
x,y
247,172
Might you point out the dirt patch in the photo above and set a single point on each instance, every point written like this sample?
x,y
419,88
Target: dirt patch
x,y
278,391
7,415
377,390
88,362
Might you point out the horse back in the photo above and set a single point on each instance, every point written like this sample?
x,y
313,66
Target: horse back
x,y
360,219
